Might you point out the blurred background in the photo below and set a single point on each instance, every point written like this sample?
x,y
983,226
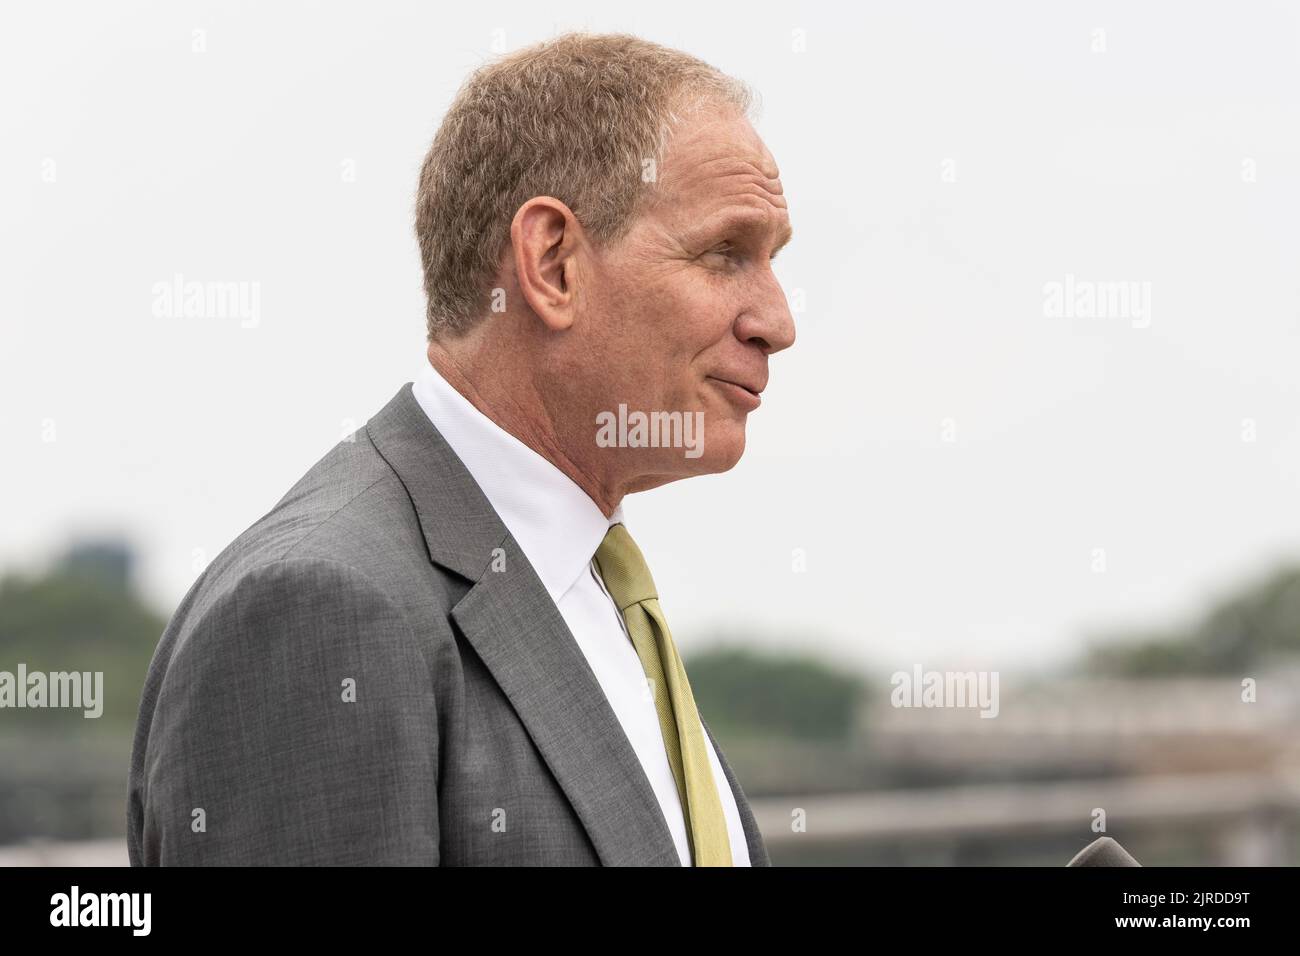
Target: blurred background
x,y
1040,424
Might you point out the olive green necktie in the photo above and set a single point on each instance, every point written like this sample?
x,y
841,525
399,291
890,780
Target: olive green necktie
x,y
629,583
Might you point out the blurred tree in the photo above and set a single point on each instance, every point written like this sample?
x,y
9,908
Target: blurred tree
x,y
742,693
83,615
1253,628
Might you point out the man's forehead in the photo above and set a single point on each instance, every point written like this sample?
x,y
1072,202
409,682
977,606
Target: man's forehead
x,y
709,148
721,170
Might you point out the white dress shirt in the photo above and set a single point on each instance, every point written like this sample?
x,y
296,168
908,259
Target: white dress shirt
x,y
559,528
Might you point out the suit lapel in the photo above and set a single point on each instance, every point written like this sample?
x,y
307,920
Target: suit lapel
x,y
521,637
518,632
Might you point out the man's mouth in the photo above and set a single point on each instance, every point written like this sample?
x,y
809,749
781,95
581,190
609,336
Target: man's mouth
x,y
743,395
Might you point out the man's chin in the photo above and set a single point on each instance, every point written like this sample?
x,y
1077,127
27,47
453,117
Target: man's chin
x,y
714,455
720,451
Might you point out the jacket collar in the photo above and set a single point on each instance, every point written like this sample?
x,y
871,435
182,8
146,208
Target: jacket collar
x,y
551,518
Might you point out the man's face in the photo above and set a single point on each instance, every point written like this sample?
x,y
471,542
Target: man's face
x,y
684,311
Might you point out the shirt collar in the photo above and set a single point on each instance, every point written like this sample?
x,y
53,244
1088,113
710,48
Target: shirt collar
x,y
553,521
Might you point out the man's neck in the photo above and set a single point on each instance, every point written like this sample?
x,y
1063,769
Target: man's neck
x,y
498,397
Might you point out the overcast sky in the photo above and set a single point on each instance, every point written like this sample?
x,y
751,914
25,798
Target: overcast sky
x,y
975,478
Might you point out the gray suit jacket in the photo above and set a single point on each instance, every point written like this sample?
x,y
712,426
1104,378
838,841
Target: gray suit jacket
x,y
350,682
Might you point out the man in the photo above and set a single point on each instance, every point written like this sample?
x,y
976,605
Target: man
x,y
443,646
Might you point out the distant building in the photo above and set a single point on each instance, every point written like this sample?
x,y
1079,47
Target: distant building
x,y
1164,725
109,560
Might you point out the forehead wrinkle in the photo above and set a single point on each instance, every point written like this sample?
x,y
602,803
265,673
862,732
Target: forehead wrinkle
x,y
741,196
723,173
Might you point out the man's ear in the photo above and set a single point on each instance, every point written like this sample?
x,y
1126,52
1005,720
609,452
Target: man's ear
x,y
544,237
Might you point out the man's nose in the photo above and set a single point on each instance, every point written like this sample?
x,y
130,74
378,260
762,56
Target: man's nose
x,y
768,323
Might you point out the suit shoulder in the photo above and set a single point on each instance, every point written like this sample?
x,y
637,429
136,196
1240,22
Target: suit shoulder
x,y
311,604
349,508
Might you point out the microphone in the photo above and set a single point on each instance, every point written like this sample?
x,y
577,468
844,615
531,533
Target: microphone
x,y
1103,851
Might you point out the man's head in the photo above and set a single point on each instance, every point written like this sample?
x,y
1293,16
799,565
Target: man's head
x,y
596,219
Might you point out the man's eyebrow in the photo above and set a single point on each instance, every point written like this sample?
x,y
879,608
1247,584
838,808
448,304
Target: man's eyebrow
x,y
749,223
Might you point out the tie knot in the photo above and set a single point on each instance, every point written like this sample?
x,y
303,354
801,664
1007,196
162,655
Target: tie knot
x,y
626,576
